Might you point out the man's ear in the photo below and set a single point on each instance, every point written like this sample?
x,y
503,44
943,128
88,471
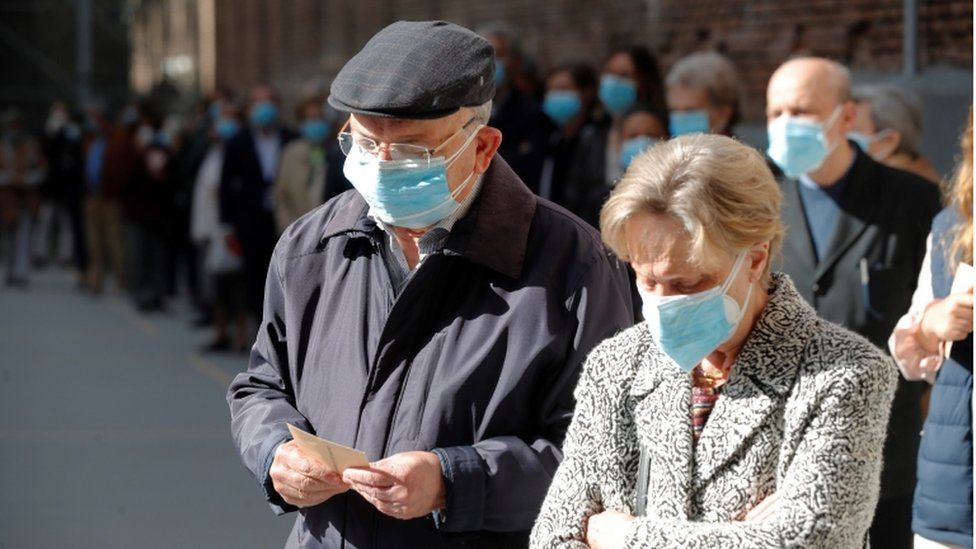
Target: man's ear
x,y
487,143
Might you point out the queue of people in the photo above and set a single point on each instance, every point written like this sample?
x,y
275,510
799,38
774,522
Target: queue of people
x,y
556,310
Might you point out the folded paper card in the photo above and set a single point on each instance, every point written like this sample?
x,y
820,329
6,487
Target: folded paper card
x,y
336,456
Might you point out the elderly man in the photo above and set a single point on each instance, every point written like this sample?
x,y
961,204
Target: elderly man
x,y
888,127
435,317
703,92
855,244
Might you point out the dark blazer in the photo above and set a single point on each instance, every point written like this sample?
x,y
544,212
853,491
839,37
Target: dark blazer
x,y
586,187
884,220
245,204
475,359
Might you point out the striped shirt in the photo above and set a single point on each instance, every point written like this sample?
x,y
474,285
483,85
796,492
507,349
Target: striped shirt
x,y
706,385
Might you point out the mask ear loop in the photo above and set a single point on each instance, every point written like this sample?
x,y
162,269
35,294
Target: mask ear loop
x,y
734,273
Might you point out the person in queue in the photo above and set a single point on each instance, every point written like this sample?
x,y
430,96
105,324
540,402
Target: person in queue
x,y
630,76
733,416
933,341
435,318
888,127
855,244
704,92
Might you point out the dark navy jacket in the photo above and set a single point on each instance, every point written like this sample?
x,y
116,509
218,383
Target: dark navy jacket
x,y
943,507
477,357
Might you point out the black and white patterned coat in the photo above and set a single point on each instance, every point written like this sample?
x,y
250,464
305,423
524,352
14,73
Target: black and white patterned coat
x,y
803,413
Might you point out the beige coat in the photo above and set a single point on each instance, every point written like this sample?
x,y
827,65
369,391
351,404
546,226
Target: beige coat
x,y
300,183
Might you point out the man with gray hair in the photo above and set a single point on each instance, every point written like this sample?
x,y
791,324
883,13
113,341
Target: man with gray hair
x,y
854,246
435,318
888,126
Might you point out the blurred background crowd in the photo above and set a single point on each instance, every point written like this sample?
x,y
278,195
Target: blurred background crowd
x,y
175,175
157,149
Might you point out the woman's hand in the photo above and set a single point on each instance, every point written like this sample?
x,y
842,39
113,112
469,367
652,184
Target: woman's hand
x,y
949,319
607,530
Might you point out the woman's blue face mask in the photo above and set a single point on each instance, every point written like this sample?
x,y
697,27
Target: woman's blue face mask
x,y
562,106
413,194
688,328
617,93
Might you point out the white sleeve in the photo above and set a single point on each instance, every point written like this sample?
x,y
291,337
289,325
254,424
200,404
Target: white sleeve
x,y
914,361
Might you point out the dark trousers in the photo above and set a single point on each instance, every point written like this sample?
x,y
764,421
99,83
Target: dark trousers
x,y
892,526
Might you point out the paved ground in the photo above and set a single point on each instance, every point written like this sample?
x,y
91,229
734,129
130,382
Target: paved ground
x,y
114,431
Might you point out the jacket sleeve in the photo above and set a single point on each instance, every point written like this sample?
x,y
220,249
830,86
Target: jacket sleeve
x,y
227,195
830,489
498,484
262,400
590,450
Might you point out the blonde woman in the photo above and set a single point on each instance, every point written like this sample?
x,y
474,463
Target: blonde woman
x,y
934,342
733,416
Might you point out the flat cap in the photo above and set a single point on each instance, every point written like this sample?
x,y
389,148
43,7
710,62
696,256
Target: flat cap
x,y
417,69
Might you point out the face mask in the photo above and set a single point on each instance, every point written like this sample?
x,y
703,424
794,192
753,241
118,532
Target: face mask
x,y
562,106
685,122
227,128
688,328
864,141
316,130
633,147
406,193
163,139
499,72
797,145
264,114
617,94
72,132
214,110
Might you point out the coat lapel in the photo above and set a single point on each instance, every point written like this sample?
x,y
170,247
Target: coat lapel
x,y
798,252
760,382
663,394
858,209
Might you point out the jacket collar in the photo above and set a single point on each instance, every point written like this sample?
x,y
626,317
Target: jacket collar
x,y
494,233
761,380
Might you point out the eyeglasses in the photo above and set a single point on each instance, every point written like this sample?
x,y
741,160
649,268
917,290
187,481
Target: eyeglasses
x,y
396,151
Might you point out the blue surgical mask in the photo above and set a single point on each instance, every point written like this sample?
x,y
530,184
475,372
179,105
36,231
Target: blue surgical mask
x,y
227,128
214,110
316,130
264,114
633,147
562,106
798,145
685,122
617,94
688,328
72,132
499,72
406,193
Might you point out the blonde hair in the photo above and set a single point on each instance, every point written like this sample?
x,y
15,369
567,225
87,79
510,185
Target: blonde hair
x,y
960,195
718,189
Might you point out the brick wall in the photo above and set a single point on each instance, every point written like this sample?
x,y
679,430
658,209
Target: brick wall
x,y
290,41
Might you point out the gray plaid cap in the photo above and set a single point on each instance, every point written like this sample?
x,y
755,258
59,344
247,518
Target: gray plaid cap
x,y
417,69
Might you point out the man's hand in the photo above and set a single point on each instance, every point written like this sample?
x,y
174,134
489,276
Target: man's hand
x,y
302,480
404,486
607,530
949,319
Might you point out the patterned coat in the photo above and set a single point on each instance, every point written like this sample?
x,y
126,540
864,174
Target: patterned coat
x,y
803,414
